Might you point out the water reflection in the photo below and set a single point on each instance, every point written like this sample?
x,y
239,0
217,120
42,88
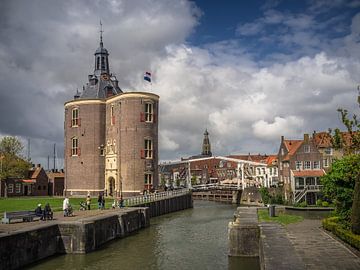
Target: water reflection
x,y
191,239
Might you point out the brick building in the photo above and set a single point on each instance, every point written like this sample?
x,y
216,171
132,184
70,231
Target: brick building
x,y
111,137
302,163
56,182
35,184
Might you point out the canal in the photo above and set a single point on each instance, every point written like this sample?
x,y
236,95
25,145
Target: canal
x,y
190,239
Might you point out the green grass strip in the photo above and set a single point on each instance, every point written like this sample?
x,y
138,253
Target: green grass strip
x,y
281,218
30,203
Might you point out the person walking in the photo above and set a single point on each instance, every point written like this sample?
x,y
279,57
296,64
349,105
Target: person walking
x,y
66,204
103,202
88,202
100,201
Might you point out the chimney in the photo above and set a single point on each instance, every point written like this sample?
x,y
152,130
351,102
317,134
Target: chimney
x,y
314,134
282,138
306,137
38,165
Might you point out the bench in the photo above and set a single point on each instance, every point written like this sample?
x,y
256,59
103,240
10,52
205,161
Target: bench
x,y
19,215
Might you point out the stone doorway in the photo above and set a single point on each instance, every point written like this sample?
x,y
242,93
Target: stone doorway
x,y
111,185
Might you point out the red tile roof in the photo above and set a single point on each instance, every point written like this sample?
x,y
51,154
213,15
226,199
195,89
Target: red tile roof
x,y
28,181
291,146
310,173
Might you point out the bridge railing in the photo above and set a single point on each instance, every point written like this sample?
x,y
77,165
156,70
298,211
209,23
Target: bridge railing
x,y
215,186
141,199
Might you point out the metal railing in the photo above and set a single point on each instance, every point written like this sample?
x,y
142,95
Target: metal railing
x,y
142,199
215,186
301,193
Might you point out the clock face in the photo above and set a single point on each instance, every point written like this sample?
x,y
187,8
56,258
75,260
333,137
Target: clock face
x,y
105,77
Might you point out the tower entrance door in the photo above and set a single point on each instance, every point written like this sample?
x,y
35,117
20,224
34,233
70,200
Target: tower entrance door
x,y
111,186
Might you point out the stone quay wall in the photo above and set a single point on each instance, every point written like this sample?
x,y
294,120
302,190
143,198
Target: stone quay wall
x,y
33,243
267,241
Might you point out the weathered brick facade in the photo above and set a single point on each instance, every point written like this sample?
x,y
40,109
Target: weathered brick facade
x,y
105,135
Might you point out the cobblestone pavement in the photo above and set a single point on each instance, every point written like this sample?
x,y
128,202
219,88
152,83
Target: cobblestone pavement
x,y
58,217
318,250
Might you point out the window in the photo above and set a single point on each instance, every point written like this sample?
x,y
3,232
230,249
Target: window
x,y
18,188
329,151
316,165
263,170
275,171
75,121
11,188
112,115
102,63
258,170
307,165
326,162
74,146
97,62
148,149
298,165
270,171
148,179
149,112
282,151
307,148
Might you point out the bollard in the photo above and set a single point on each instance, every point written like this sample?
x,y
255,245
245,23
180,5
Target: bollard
x,y
272,210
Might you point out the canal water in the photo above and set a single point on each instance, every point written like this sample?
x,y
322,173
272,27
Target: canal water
x,y
190,239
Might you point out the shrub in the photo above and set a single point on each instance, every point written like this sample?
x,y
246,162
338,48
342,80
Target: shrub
x,y
333,224
303,204
319,202
325,204
265,196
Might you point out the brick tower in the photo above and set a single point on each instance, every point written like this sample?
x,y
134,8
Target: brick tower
x,y
111,137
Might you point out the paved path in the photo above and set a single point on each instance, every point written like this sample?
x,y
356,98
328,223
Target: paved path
x,y
58,217
318,250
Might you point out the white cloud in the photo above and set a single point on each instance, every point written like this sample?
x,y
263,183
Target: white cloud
x,y
290,126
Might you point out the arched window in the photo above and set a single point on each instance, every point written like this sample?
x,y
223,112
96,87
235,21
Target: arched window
x,y
75,121
149,111
98,62
75,150
102,63
148,149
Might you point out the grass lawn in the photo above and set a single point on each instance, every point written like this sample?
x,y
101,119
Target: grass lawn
x,y
30,203
283,219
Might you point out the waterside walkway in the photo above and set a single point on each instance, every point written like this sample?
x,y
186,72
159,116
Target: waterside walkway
x,y
304,245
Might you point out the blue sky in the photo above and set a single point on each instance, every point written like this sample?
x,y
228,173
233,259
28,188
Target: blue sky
x,y
248,71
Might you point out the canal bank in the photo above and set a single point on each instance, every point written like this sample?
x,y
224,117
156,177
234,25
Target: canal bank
x,y
195,238
38,240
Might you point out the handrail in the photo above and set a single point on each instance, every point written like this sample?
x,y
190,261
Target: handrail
x,y
141,199
301,194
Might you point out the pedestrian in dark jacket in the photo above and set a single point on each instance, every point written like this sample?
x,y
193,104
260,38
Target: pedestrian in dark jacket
x,y
100,201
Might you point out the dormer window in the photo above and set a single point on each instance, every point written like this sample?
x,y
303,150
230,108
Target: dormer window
x,y
75,120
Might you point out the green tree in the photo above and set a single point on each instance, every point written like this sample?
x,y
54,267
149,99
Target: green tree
x,y
12,164
350,143
11,146
340,182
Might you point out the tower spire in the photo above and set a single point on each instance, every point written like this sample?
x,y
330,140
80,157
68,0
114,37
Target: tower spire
x,y
101,32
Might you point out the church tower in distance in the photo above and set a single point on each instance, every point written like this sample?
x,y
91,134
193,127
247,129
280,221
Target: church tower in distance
x,y
206,147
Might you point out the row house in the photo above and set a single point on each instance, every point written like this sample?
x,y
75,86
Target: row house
x,y
302,163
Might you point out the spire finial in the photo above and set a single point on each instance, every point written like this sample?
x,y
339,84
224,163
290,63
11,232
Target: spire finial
x,y
101,32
